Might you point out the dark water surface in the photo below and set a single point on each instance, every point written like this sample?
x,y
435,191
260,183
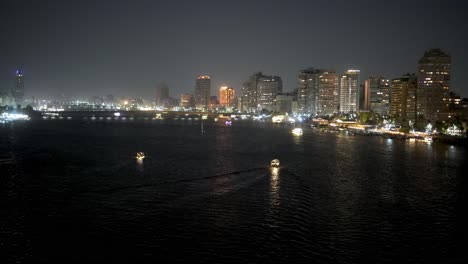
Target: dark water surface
x,y
73,191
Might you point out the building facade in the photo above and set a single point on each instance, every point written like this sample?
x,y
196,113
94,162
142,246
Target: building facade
x,y
404,99
202,92
327,92
284,103
307,91
349,95
434,85
260,91
18,91
226,96
378,92
186,101
162,93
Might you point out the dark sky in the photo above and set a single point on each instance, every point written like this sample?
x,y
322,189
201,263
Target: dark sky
x,y
84,48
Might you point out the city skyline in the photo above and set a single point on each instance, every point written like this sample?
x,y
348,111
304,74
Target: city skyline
x,y
93,58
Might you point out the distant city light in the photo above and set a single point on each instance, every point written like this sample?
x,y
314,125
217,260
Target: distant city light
x,y
13,117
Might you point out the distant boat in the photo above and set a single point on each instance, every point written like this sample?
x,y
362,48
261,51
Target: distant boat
x,y
228,122
297,131
140,156
275,163
428,139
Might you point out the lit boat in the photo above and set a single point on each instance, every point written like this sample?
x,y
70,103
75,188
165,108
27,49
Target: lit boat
x,y
228,122
275,163
297,131
140,155
428,139
277,119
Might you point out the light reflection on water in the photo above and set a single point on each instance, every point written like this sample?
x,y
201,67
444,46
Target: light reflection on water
x,y
140,166
275,187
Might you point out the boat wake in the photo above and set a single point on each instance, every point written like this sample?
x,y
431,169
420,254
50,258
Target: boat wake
x,y
116,189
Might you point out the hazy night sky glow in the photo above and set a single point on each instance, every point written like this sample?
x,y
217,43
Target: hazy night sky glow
x,y
125,48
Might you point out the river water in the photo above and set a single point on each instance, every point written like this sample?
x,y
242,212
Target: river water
x,y
71,190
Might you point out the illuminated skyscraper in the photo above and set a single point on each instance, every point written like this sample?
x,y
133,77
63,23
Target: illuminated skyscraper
x,y
18,91
378,91
307,91
434,85
349,86
260,91
403,103
327,92
186,100
364,96
202,91
226,96
268,88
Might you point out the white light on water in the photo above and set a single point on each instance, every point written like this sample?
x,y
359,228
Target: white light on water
x,y
297,131
13,117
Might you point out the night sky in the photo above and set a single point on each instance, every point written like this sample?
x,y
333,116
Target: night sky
x,y
84,48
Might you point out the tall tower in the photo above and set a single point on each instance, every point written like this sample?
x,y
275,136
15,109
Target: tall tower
x,y
307,91
403,103
434,85
327,92
349,101
268,88
260,92
162,93
379,94
202,91
226,96
18,91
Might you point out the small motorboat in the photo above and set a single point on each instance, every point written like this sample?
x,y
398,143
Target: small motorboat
x,y
275,163
140,155
297,131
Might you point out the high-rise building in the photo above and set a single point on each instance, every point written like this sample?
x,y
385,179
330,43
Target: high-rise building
x,y
18,91
364,97
349,86
385,89
260,91
162,93
327,92
226,96
268,87
249,95
307,91
284,103
378,91
202,91
434,85
404,96
186,100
